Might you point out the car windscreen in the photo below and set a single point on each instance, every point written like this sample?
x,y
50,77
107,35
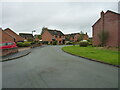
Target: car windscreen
x,y
6,44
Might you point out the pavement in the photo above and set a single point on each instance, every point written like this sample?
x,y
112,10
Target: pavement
x,y
50,67
19,54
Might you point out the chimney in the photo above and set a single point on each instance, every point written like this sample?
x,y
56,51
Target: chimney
x,y
102,14
102,19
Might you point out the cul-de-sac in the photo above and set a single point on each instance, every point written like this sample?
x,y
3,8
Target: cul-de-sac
x,y
59,44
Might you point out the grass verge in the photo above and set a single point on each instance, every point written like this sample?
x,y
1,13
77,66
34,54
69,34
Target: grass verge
x,y
103,55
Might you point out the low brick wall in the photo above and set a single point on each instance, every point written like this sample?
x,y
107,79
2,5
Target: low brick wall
x,y
36,45
4,52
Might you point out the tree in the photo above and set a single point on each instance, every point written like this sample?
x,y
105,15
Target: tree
x,y
39,36
103,36
81,32
43,29
67,37
81,36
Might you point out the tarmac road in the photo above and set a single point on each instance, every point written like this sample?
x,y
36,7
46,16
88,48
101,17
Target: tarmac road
x,y
50,67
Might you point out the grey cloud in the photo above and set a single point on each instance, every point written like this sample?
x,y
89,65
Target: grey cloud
x,y
69,17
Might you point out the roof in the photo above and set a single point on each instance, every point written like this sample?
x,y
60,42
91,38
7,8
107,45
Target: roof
x,y
53,32
72,34
13,34
104,14
25,34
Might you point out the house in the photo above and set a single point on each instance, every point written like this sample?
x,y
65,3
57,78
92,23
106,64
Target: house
x,y
109,22
75,37
9,35
37,37
16,37
26,36
52,35
4,37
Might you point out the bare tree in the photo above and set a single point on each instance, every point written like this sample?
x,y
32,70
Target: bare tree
x,y
103,36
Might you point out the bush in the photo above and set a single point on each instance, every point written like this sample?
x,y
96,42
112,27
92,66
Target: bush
x,y
69,43
30,40
45,42
83,43
23,44
20,44
54,42
27,44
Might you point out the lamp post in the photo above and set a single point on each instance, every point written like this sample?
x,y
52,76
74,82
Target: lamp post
x,y
32,34
33,31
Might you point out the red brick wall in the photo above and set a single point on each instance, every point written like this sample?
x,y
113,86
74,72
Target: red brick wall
x,y
110,25
5,37
46,36
96,29
118,31
4,52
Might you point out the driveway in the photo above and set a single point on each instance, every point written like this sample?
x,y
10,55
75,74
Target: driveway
x,y
50,67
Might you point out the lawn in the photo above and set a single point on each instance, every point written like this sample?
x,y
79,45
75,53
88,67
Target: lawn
x,y
108,56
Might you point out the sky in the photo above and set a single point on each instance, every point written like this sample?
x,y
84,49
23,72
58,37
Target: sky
x,y
69,17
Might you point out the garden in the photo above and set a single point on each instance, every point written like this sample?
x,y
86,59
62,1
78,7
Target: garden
x,y
28,44
97,53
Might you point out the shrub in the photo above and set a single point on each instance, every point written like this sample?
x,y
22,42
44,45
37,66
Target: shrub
x,y
45,42
54,42
69,43
30,40
20,44
83,43
27,44
23,44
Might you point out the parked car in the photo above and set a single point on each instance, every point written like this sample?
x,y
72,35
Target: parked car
x,y
6,45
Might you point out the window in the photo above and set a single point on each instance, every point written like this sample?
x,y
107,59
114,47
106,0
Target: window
x,y
59,42
4,44
60,36
9,43
56,36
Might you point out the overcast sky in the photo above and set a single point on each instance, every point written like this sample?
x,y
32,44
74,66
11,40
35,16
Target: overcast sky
x,y
69,17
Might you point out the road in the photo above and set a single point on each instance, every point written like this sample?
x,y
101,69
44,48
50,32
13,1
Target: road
x,y
50,67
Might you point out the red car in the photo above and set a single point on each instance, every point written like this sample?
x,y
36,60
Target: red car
x,y
6,45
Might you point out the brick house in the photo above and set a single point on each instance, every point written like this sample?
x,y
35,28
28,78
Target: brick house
x,y
4,37
26,36
13,34
9,35
52,35
74,37
110,22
